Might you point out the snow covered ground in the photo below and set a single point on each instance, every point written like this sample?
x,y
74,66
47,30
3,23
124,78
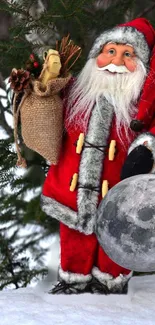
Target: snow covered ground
x,y
34,306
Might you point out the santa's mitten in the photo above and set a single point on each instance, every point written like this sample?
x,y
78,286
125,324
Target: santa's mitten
x,y
139,161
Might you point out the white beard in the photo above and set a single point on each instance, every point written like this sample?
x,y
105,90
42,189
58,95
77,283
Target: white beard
x,y
122,90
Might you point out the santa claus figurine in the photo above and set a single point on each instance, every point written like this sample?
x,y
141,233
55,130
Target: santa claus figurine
x,y
109,135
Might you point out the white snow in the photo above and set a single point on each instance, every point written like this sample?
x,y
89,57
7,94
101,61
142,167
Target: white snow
x,y
34,306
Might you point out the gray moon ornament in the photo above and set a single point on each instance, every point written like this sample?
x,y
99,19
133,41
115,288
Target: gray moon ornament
x,y
125,226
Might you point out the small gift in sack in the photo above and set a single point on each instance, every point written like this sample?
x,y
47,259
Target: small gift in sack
x,y
40,110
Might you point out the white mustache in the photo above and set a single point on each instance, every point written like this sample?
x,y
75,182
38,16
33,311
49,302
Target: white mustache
x,y
114,68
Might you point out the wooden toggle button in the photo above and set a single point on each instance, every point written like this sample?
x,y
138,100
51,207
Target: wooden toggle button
x,y
104,188
73,182
80,143
112,150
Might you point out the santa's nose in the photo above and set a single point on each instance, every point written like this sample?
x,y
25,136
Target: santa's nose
x,y
117,60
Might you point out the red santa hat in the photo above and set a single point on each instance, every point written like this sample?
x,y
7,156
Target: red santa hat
x,y
140,34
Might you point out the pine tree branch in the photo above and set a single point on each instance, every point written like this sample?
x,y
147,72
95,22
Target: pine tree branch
x,y
10,268
146,11
3,122
89,11
63,4
2,83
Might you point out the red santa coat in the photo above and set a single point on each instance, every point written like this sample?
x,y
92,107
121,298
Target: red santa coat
x,y
78,209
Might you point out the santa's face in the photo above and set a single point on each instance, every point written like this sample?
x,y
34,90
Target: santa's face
x,y
117,75
118,55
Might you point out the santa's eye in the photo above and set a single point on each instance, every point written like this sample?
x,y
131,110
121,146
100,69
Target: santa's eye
x,y
111,51
127,54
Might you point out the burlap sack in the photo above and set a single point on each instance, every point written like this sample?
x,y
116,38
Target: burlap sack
x,y
41,116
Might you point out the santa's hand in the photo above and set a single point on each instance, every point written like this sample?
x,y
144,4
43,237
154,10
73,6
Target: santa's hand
x,y
139,161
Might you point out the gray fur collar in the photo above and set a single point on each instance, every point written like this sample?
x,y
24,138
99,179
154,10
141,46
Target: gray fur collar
x,y
90,170
91,165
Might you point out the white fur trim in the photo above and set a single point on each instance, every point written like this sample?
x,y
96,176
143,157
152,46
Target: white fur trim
x,y
140,141
59,211
123,35
90,170
70,277
91,165
109,280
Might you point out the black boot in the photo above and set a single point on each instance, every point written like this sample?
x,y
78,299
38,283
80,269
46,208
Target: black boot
x,y
63,287
122,290
94,287
98,287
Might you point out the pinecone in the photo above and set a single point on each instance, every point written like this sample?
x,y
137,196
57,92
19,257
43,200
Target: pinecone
x,y
19,79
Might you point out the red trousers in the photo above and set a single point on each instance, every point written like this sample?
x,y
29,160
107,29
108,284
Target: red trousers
x,y
80,252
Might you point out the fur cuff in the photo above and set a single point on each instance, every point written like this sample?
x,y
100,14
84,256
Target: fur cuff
x,y
64,214
148,140
70,277
59,211
109,280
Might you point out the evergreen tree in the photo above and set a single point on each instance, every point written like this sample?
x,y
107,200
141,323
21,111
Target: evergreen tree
x,y
32,27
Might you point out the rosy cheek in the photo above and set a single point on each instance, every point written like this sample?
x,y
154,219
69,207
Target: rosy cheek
x,y
131,65
102,60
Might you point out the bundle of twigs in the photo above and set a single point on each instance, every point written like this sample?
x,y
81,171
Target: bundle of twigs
x,y
69,53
